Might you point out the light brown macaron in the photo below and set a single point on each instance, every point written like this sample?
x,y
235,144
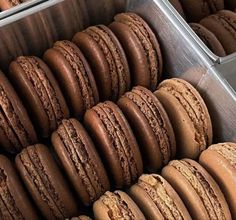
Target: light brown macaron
x,y
220,161
157,199
197,189
117,205
189,116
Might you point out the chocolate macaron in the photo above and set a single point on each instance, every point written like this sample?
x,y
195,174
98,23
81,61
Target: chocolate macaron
x,y
107,59
14,201
44,181
16,129
117,205
141,47
198,190
151,126
223,25
80,160
220,161
157,199
189,116
74,76
115,142
209,39
40,92
195,10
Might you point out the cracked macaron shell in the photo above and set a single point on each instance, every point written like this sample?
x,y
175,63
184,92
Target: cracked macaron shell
x,y
151,126
74,76
80,160
189,116
116,143
141,47
209,39
39,90
16,129
107,59
220,161
117,205
14,201
223,25
45,183
157,199
197,189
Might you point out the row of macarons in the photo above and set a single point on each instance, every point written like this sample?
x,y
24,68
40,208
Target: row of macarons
x,y
102,64
185,189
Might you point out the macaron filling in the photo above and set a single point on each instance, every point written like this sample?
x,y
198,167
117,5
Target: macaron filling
x,y
202,187
118,208
7,202
79,69
78,153
154,186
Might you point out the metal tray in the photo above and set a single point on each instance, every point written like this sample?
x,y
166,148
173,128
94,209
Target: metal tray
x,y
184,54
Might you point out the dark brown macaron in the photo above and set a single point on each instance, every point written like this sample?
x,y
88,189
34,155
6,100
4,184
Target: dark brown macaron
x,y
195,10
141,47
44,181
220,161
157,199
107,60
117,205
198,190
178,6
80,160
74,76
14,201
40,92
16,129
209,39
223,25
116,143
189,116
151,126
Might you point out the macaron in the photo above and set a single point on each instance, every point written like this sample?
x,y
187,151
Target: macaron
x,y
107,60
220,161
39,90
151,126
195,10
80,160
223,26
209,39
117,205
74,76
189,117
178,6
157,199
197,189
14,201
141,47
116,143
44,181
16,129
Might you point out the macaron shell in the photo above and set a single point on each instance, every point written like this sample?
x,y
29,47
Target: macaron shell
x,y
80,160
45,183
222,171
193,199
14,203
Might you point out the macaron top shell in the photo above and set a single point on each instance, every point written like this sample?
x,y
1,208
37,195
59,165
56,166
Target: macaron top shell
x,y
117,205
157,199
141,47
74,76
80,160
14,202
16,129
198,190
40,91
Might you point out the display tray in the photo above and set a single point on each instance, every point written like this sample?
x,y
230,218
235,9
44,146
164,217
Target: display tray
x,y
32,31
